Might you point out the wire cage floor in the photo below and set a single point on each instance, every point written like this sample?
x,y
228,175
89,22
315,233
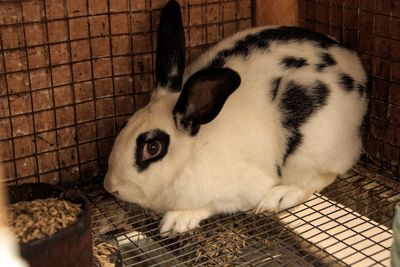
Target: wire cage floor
x,y
349,223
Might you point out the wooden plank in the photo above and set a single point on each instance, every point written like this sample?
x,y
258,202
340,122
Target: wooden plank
x,y
273,12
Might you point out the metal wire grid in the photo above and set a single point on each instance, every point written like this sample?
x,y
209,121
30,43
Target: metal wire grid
x,y
370,27
72,72
360,207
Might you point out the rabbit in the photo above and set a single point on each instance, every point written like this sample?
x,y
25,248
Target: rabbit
x,y
260,121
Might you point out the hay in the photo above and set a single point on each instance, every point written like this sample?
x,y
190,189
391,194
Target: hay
x,y
217,247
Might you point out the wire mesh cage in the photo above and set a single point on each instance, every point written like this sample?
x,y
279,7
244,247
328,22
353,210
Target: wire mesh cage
x,y
347,225
72,72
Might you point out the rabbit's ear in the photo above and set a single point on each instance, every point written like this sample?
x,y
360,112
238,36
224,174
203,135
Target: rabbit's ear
x,y
170,58
203,96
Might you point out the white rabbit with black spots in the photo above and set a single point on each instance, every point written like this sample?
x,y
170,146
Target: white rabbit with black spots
x,y
260,121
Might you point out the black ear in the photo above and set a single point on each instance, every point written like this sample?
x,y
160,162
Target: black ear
x,y
203,96
170,58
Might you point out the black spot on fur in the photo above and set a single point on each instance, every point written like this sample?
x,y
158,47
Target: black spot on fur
x,y
294,62
278,170
346,82
293,143
219,61
320,94
162,137
298,103
262,40
326,61
274,87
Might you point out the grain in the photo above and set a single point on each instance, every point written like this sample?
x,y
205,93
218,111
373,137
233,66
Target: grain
x,y
105,252
33,220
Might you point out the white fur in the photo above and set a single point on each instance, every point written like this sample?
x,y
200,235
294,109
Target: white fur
x,y
230,165
9,249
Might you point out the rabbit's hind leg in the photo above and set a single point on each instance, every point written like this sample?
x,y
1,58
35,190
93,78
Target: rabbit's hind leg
x,y
281,197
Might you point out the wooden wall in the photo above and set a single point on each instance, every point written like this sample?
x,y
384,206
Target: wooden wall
x,y
274,12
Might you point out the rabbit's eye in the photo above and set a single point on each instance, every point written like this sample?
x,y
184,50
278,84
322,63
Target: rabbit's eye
x,y
151,149
151,146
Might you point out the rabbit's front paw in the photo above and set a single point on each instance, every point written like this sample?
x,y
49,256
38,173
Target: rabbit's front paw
x,y
176,222
280,198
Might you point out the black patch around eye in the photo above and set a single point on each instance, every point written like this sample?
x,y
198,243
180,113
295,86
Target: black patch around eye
x,y
142,164
297,105
326,61
294,62
346,82
274,87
